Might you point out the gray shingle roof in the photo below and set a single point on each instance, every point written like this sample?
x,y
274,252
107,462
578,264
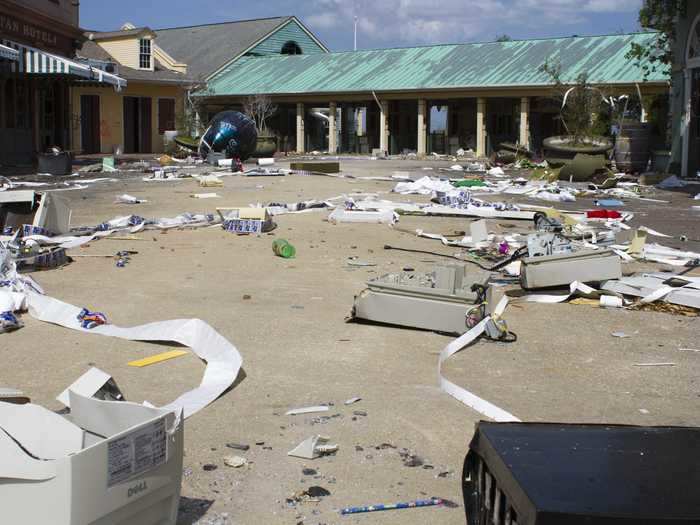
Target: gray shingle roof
x,y
206,48
93,50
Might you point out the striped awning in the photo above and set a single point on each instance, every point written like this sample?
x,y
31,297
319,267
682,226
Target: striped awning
x,y
8,53
37,62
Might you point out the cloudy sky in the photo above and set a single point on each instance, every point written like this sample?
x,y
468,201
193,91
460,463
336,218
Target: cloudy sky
x,y
384,23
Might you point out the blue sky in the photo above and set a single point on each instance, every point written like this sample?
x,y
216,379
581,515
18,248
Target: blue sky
x,y
384,23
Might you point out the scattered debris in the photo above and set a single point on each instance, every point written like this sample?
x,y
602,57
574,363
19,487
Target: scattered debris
x,y
313,447
620,335
129,199
158,358
394,506
235,461
307,410
283,248
238,446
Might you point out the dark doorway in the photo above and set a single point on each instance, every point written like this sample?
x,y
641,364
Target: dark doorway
x,y
137,125
90,123
694,128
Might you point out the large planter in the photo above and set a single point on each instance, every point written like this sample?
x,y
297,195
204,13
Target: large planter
x,y
266,146
566,147
187,142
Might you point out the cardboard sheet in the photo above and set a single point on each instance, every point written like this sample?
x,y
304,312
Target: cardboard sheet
x,y
42,433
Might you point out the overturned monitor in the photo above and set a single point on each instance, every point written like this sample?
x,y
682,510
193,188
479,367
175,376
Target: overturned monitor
x,y
549,473
436,301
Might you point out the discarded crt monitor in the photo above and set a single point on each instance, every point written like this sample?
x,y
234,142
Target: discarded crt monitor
x,y
435,301
230,132
547,473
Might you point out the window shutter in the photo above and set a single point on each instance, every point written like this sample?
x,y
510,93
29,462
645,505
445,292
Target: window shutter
x,y
166,115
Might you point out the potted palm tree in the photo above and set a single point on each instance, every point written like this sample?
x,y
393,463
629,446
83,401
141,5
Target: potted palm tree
x,y
580,103
260,108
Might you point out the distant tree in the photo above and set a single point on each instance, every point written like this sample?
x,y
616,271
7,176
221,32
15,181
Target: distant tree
x,y
503,38
260,108
659,15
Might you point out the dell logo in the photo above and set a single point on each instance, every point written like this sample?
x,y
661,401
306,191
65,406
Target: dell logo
x,y
136,489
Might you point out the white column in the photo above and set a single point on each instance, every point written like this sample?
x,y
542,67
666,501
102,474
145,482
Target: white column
x,y
481,127
332,132
525,122
422,127
300,128
384,126
360,121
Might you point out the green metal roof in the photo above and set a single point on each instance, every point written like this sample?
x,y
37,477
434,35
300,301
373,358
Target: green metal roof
x,y
494,64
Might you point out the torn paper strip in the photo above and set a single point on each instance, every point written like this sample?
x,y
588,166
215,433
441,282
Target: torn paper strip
x,y
223,360
471,400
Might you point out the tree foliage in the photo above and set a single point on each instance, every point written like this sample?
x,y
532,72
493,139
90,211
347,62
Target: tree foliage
x,y
659,15
579,102
260,108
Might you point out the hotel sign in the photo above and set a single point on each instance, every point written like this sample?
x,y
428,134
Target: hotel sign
x,y
31,33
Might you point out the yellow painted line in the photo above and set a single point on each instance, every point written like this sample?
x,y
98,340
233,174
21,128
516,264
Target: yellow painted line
x,y
157,358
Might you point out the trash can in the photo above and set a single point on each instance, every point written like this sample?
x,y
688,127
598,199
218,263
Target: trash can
x,y
60,163
549,473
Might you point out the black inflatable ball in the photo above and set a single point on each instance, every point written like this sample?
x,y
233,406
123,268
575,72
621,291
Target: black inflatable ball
x,y
230,132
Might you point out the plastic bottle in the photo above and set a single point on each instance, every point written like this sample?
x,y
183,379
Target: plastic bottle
x,y
282,248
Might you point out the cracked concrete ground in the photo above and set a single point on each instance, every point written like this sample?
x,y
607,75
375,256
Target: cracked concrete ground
x,y
298,350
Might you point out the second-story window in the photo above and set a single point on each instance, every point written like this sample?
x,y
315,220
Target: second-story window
x,y
145,53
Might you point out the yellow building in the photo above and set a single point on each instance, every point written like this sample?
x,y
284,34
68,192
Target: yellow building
x,y
134,119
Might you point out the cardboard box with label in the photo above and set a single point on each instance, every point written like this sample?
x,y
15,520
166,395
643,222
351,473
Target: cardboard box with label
x,y
33,213
104,463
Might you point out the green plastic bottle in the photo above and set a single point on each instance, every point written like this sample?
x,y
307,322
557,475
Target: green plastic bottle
x,y
282,248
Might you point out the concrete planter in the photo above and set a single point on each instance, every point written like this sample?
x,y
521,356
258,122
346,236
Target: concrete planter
x,y
565,146
266,146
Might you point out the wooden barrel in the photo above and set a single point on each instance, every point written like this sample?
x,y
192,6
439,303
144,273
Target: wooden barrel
x,y
632,147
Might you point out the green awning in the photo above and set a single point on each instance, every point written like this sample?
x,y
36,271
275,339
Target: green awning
x,y
8,53
33,61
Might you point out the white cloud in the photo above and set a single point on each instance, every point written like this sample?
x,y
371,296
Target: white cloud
x,y
321,20
412,21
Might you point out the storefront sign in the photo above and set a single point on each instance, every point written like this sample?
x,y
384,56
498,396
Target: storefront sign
x,y
15,28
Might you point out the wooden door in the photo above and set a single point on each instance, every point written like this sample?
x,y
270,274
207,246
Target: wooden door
x,y
130,125
145,125
90,123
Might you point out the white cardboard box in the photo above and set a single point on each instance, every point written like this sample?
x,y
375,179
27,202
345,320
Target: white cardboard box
x,y
106,463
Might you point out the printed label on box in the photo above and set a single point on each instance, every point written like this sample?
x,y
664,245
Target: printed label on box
x,y
136,453
243,226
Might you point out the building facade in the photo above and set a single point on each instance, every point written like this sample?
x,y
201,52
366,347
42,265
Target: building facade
x,y
135,119
215,50
35,81
433,98
685,97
